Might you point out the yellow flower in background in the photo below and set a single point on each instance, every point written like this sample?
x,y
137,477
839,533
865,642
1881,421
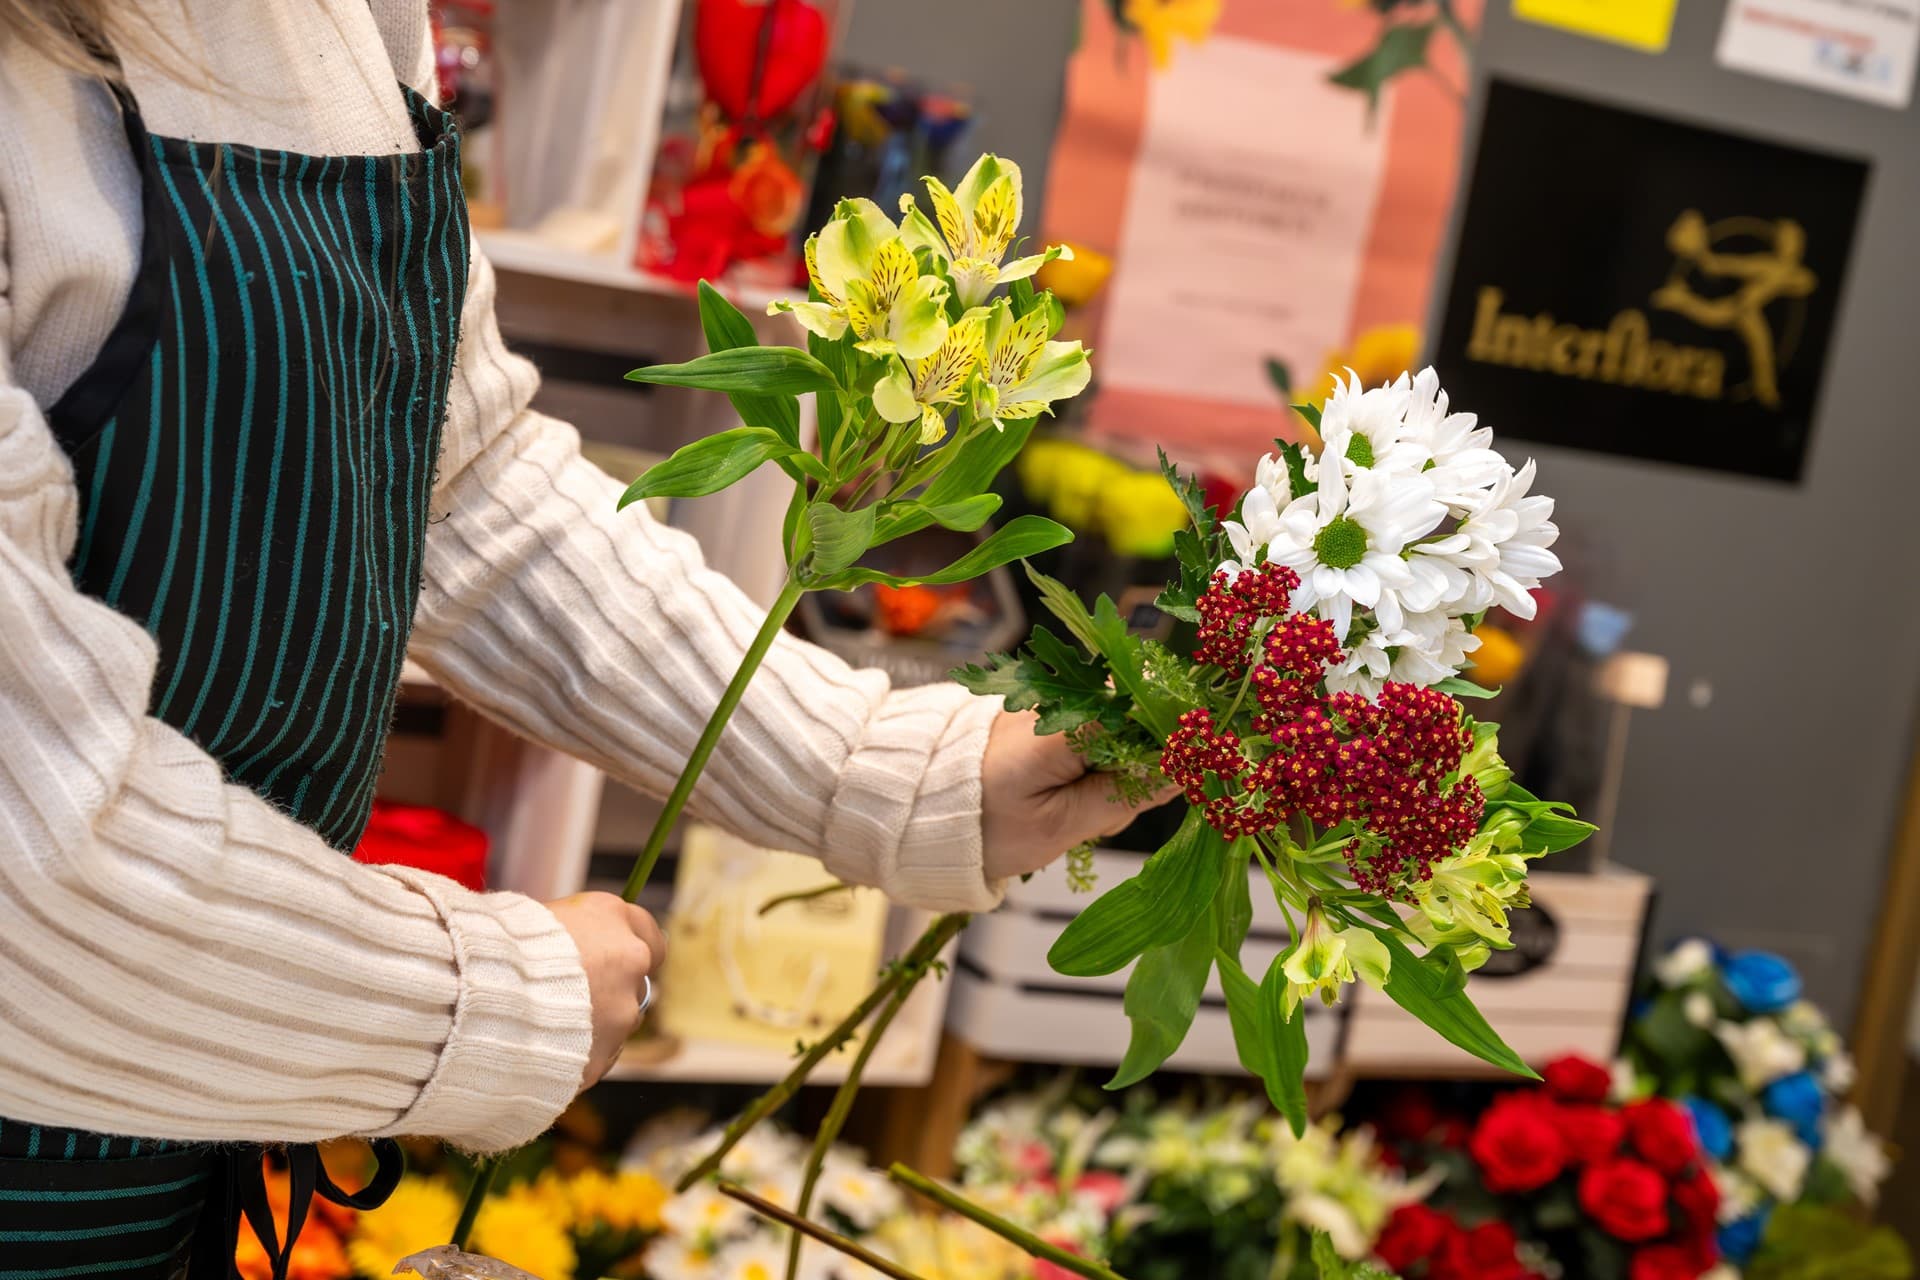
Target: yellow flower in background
x,y
1140,513
1075,279
1159,21
628,1201
1377,357
420,1214
521,1230
1137,512
948,1248
1499,657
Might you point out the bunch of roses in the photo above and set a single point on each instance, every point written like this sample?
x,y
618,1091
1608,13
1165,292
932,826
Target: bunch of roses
x,y
1636,1172
1424,1243
1385,765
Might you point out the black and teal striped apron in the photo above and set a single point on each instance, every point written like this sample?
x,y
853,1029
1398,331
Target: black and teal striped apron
x,y
254,451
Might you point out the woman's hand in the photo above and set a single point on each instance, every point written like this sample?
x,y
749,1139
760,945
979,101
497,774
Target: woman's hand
x,y
1039,801
619,946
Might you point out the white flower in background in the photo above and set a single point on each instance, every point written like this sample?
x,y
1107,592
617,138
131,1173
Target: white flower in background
x,y
1761,1052
1624,1084
1698,1007
1772,1156
1319,1212
764,1257
1685,961
671,1258
1345,539
1837,1072
763,1152
1803,1019
1740,1195
856,1192
1859,1155
704,1218
1720,1271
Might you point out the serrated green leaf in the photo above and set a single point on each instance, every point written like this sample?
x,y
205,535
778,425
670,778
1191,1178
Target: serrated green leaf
x,y
839,537
1163,995
1432,996
1104,631
1154,908
762,370
727,330
1298,485
1048,675
1331,1266
1022,537
1402,48
708,465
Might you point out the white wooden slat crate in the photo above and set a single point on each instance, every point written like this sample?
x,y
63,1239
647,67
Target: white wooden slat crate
x,y
1008,1003
1573,1000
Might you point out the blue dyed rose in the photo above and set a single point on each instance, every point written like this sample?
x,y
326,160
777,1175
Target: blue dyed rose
x,y
1761,981
1710,1126
1798,1100
1738,1240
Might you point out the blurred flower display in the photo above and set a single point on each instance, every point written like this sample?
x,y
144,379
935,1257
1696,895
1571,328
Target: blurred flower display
x,y
1136,512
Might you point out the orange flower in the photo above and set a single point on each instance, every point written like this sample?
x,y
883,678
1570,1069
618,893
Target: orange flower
x,y
767,191
319,1255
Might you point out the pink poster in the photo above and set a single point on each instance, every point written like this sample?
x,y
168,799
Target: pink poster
x,y
1253,209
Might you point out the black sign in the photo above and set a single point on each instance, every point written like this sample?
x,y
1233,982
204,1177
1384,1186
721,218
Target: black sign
x,y
1636,286
1536,937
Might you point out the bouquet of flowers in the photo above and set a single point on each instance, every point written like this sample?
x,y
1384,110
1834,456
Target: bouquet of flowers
x,y
1316,730
1593,1187
1762,1076
1175,1190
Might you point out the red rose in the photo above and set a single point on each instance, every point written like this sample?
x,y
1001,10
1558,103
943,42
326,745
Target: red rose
x,y
1413,1233
1516,1144
1577,1079
1409,1116
1665,1262
1627,1198
1699,1201
1661,1134
1491,1242
1590,1132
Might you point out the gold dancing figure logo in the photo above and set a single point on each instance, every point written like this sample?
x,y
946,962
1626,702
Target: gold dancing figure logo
x,y
1760,278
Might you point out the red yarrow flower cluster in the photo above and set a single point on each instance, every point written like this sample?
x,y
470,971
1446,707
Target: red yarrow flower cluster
x,y
1383,765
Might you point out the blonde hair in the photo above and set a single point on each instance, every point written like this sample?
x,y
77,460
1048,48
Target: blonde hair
x,y
77,33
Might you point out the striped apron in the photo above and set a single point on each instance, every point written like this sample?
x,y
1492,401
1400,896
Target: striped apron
x,y
254,451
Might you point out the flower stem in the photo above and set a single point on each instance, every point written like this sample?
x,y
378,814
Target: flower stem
x,y
1033,1245
774,1213
842,1106
483,1176
777,617
918,957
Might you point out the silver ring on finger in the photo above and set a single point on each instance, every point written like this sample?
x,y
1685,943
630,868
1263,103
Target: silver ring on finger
x,y
646,994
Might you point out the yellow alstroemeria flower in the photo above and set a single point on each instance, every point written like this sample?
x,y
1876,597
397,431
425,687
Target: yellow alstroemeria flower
x,y
924,388
977,221
869,282
1474,889
1024,373
1326,959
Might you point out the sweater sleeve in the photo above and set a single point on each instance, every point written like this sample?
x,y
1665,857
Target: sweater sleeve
x,y
178,959
600,632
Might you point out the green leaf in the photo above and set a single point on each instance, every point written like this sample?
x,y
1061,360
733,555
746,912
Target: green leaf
x,y
790,523
1050,675
839,537
762,370
1311,412
1155,908
1233,907
1296,459
1402,47
1287,1047
1433,997
708,465
1022,537
979,458
1280,376
1163,995
1105,632
898,519
1461,687
1331,1266
728,330
830,409
1555,833
1817,1242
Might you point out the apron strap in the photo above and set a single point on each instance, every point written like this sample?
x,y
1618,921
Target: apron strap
x,y
246,1197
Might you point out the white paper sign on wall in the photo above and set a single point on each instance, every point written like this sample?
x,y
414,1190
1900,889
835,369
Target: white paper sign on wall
x,y
1861,48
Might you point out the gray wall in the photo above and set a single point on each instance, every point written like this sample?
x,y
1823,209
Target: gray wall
x,y
1766,813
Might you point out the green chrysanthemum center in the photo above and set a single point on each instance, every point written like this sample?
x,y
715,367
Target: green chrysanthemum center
x,y
1342,544
1360,450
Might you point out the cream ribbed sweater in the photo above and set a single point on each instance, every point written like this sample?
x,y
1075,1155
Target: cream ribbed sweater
x,y
177,958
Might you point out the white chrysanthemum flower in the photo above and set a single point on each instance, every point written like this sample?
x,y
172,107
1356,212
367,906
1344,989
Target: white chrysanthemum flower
x,y
704,1218
1761,1052
856,1192
1497,555
1259,524
1686,960
1367,429
671,1258
1459,458
1345,539
1858,1154
764,1257
1772,1156
1368,664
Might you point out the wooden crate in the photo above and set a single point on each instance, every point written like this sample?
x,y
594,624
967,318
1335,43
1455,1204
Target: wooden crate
x,y
1577,950
1007,1003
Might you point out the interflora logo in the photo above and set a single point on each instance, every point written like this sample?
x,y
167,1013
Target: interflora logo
x,y
1725,276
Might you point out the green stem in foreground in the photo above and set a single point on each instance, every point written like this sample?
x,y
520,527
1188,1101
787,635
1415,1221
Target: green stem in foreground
x,y
918,957
1032,1244
710,737
836,1117
483,1175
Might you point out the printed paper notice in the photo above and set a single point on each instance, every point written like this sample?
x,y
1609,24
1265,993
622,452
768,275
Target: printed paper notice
x,y
1860,48
1244,232
1640,24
